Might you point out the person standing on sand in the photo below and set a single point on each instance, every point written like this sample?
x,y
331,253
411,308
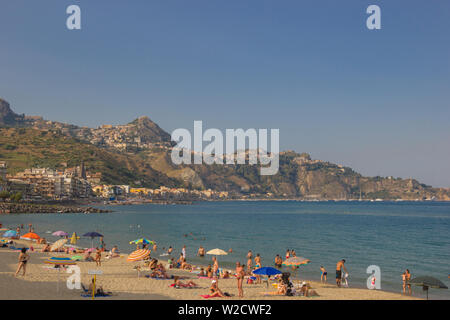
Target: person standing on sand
x,y
183,252
215,266
249,265
240,274
98,258
288,254
339,266
23,259
323,275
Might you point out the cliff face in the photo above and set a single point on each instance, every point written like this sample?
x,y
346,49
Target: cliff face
x,y
7,116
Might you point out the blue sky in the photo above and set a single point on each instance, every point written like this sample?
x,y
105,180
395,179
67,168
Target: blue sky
x,y
377,101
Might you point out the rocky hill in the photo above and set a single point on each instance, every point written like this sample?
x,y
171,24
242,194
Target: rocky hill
x,y
7,116
138,154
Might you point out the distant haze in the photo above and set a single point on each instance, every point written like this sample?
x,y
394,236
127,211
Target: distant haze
x,y
376,101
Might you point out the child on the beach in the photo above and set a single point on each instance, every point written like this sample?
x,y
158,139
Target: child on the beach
x,y
345,280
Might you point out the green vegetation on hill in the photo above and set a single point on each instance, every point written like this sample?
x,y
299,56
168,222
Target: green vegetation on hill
x,y
25,148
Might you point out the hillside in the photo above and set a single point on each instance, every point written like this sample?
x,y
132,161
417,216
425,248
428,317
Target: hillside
x,y
25,147
138,154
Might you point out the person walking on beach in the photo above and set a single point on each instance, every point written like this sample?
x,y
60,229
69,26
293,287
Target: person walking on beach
x,y
240,274
323,275
339,266
23,259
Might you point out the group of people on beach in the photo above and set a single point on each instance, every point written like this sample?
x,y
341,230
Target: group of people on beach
x,y
212,271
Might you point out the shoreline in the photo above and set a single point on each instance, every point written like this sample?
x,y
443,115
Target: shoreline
x,y
120,278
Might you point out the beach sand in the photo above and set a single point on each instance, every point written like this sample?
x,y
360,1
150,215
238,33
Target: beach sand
x,y
40,283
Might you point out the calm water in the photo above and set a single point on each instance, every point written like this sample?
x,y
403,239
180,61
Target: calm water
x,y
394,236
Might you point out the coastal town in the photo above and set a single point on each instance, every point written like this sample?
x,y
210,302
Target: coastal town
x,y
76,183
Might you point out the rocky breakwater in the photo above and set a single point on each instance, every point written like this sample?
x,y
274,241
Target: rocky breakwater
x,y
6,208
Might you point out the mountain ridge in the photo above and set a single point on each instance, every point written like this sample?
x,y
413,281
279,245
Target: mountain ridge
x,y
142,144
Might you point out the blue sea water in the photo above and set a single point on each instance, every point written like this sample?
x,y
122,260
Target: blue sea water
x,y
391,235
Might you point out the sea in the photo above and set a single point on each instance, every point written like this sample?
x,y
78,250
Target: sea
x,y
393,236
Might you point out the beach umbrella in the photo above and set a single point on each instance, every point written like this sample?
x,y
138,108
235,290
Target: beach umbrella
x,y
10,234
142,240
296,261
58,244
138,255
217,252
74,238
30,235
92,235
428,282
267,271
60,234
60,261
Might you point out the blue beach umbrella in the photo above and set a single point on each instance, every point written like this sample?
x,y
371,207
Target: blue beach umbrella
x,y
10,234
267,271
92,235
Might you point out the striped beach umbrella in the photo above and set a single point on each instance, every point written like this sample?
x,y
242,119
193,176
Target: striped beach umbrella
x,y
58,244
60,261
138,255
30,235
296,261
142,240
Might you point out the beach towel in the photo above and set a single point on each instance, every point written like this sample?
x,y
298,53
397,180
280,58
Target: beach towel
x,y
206,296
156,278
85,295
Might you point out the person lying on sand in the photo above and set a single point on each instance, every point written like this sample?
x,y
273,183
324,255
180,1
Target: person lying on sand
x,y
46,248
178,284
225,275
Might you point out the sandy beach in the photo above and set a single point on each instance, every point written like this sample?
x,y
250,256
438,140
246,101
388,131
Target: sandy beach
x,y
118,276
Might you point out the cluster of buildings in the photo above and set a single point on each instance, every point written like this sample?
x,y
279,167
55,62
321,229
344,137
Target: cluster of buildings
x,y
110,191
44,183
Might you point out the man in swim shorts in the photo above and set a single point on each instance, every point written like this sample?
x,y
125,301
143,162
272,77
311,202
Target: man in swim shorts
x,y
339,266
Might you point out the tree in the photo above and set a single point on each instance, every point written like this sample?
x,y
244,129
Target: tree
x,y
4,195
16,197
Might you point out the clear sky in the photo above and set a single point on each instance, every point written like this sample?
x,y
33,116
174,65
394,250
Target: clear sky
x,y
377,101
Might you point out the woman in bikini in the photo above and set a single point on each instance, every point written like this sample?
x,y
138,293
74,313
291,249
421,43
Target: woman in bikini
x,y
23,259
240,273
178,284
